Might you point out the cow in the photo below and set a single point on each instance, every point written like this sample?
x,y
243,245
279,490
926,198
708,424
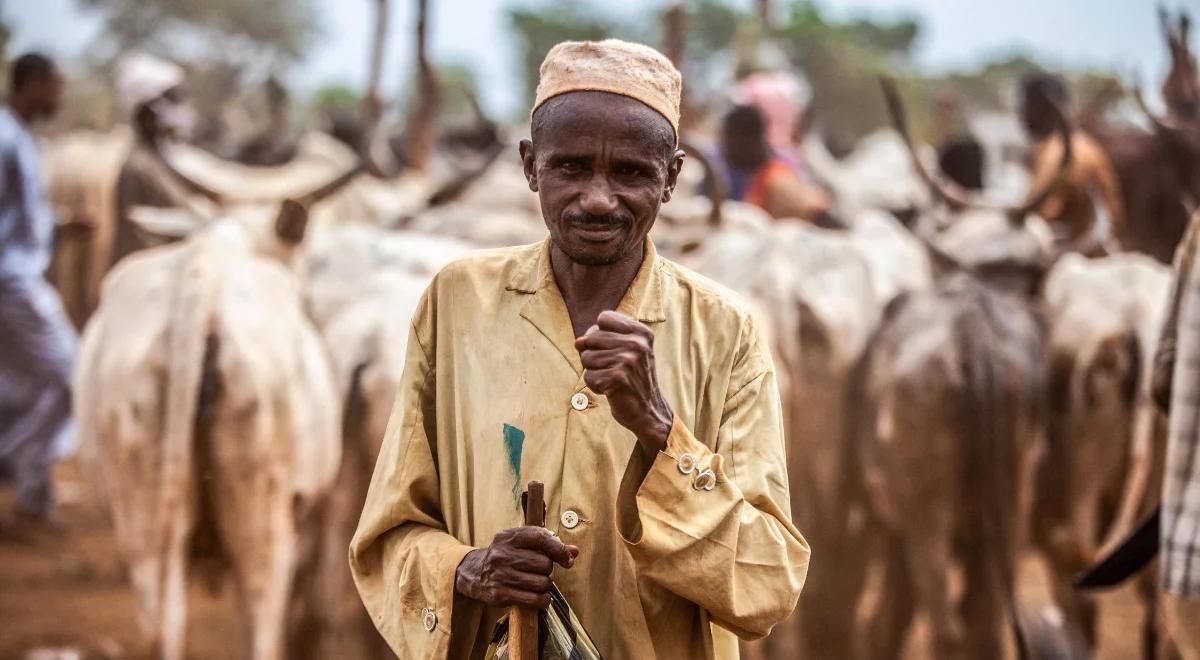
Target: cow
x,y
1104,317
82,168
209,421
820,293
953,395
1159,171
362,286
951,385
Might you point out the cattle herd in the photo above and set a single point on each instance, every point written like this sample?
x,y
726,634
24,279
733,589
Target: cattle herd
x,y
957,393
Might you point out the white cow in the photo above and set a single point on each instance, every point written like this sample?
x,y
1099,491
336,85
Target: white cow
x,y
1104,317
363,286
209,419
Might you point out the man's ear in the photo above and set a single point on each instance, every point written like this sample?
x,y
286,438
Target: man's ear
x,y
673,168
527,163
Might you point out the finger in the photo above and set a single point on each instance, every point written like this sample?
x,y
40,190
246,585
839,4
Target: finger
x,y
601,381
521,581
607,339
618,322
543,541
530,561
602,358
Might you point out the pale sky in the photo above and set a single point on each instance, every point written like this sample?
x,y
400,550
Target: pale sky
x,y
1120,35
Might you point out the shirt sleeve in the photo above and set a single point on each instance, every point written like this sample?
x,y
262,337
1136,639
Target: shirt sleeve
x,y
402,558
723,542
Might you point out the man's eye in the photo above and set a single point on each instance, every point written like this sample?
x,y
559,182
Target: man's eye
x,y
629,170
571,167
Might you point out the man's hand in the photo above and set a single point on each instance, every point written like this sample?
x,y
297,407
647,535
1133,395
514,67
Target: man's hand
x,y
618,360
514,569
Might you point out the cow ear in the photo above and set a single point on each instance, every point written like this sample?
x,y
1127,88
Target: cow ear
x,y
292,222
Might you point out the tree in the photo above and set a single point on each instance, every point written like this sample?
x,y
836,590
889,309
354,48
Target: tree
x,y
245,30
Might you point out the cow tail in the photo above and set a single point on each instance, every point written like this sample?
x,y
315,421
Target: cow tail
x,y
988,421
189,328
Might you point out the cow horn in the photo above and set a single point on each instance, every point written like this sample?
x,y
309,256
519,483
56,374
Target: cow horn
x,y
291,223
188,182
1161,125
943,191
1038,198
716,183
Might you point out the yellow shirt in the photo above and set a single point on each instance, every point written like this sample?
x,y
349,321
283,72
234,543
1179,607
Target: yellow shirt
x,y
493,396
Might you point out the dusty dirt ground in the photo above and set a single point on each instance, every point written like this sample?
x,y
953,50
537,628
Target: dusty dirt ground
x,y
66,591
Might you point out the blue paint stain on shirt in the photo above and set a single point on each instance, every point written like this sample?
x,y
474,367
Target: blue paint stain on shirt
x,y
514,441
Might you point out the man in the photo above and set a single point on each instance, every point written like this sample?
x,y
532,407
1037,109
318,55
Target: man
x,y
642,395
1178,363
1085,209
151,90
38,344
756,174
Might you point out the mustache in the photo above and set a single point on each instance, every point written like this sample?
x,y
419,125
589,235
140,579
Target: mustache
x,y
607,219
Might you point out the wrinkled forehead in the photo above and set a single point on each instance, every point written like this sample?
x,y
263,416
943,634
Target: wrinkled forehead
x,y
601,120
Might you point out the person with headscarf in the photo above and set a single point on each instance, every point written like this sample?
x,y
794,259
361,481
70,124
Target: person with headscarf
x,y
37,341
642,395
151,92
756,173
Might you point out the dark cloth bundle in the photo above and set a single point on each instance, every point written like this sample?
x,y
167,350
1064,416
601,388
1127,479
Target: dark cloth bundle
x,y
560,634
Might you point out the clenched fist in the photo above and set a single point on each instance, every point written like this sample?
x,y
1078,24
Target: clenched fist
x,y
618,360
514,569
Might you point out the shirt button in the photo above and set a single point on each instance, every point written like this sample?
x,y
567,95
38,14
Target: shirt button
x,y
687,463
428,619
705,480
569,519
579,401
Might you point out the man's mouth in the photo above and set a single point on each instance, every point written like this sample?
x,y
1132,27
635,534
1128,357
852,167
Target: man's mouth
x,y
597,232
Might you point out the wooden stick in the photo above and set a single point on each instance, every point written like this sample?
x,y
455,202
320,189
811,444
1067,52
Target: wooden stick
x,y
523,621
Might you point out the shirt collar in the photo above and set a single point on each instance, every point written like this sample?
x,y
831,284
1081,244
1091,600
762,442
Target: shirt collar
x,y
643,301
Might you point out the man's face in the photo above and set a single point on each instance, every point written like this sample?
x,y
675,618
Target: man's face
x,y
47,93
602,164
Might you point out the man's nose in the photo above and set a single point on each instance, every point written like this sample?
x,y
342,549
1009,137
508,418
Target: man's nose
x,y
598,197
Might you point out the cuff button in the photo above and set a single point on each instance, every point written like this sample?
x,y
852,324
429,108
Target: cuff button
x,y
687,463
705,480
428,619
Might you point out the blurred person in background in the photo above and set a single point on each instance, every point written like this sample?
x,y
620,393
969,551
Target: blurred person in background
x,y
37,348
1085,209
1176,383
757,174
151,91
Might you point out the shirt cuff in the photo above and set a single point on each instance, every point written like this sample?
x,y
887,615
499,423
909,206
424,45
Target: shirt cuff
x,y
438,615
681,477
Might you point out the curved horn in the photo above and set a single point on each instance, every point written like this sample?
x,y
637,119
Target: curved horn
x,y
1036,199
716,184
895,107
291,223
456,186
1161,124
188,182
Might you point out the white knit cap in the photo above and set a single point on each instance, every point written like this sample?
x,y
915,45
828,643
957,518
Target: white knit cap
x,y
142,78
614,66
